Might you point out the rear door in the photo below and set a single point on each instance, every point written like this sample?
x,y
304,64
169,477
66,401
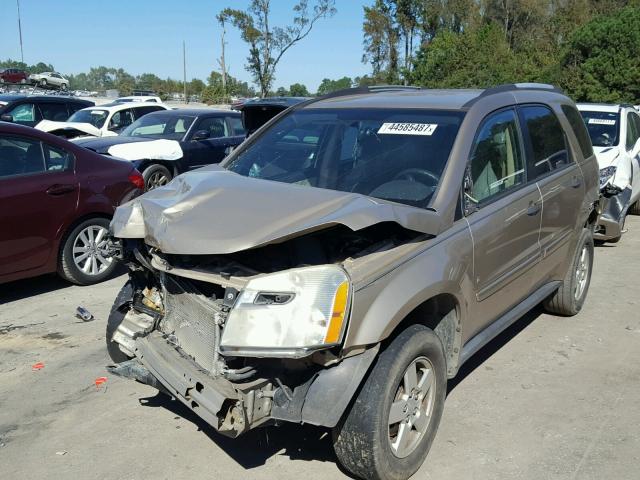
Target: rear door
x,y
38,195
506,225
552,165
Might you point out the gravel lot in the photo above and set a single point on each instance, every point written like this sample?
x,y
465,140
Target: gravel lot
x,y
551,398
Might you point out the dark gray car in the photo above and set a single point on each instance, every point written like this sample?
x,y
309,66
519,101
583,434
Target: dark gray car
x,y
348,258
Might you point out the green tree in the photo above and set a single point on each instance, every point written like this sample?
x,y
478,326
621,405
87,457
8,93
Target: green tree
x,y
267,44
298,90
328,86
602,59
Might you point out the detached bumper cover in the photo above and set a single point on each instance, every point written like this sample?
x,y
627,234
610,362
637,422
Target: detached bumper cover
x,y
612,218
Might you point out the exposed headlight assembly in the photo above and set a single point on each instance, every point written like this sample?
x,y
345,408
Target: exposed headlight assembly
x,y
606,174
289,314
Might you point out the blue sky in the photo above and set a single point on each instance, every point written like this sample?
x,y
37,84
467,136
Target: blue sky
x,y
146,36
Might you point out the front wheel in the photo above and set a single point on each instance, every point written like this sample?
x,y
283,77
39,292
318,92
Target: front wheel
x,y
570,297
85,258
389,429
156,175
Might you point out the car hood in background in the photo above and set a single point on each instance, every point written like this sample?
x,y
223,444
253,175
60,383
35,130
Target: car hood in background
x,y
214,211
71,129
134,148
607,156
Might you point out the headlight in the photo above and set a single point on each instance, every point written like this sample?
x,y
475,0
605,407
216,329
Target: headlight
x,y
289,314
606,174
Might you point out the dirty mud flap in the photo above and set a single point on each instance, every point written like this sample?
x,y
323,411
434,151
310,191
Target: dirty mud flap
x,y
204,395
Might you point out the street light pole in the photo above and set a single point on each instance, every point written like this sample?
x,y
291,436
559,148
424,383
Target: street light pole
x,y
20,32
184,71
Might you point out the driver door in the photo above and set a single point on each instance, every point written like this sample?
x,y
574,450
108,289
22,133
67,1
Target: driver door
x,y
208,142
504,212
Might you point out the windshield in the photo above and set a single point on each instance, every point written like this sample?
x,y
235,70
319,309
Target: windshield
x,y
95,117
603,127
395,155
160,125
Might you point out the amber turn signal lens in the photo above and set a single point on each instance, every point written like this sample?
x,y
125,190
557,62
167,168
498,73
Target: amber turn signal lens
x,y
338,313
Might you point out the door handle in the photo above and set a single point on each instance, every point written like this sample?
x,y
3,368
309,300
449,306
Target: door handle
x,y
534,208
575,182
60,189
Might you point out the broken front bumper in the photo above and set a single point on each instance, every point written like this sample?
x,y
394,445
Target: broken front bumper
x,y
235,407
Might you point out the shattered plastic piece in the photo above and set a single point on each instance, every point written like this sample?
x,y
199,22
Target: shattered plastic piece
x,y
37,366
84,314
61,452
100,381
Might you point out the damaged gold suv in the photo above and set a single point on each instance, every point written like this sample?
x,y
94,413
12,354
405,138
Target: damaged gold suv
x,y
349,257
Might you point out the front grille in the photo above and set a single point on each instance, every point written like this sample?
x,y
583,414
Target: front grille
x,y
190,318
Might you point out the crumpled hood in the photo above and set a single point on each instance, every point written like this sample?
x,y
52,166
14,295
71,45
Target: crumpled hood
x,y
607,156
102,144
214,211
86,128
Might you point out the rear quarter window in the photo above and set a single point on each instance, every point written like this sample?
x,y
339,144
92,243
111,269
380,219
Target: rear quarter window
x,y
579,129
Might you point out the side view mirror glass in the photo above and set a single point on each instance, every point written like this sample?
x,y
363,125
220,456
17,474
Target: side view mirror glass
x,y
6,118
201,135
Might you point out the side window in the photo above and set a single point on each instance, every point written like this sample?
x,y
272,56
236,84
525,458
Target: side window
x,y
57,159
214,125
496,160
236,125
121,119
547,143
20,156
579,129
632,131
23,113
54,111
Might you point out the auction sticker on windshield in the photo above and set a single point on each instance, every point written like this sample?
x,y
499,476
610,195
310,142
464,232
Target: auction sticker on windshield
x,y
407,128
601,121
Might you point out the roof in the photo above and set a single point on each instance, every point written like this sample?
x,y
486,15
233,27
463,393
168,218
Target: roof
x,y
598,107
196,112
438,99
43,98
279,101
116,107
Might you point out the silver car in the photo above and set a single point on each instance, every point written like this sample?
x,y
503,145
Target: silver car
x,y
351,255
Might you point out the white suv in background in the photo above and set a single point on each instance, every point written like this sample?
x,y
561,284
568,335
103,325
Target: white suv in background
x,y
615,135
138,98
100,121
49,79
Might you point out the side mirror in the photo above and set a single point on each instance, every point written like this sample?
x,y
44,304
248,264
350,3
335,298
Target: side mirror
x,y
469,204
6,118
200,135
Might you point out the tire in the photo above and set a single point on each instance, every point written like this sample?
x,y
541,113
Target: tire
x,y
567,300
635,208
156,175
364,440
116,315
88,264
43,83
63,87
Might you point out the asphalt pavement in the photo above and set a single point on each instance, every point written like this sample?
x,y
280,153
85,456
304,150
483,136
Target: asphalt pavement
x,y
550,398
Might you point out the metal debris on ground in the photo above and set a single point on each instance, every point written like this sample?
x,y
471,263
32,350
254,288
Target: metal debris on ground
x,y
84,314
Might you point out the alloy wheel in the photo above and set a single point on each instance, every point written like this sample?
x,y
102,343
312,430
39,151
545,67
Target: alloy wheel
x,y
582,272
156,179
91,250
412,407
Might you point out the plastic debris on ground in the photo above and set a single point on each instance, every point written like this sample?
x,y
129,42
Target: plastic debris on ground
x,y
37,366
84,314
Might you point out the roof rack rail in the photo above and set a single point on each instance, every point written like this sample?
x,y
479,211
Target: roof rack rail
x,y
369,89
508,87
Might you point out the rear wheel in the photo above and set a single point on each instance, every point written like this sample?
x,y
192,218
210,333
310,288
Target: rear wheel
x,y
390,427
43,83
84,258
569,298
156,175
635,208
63,87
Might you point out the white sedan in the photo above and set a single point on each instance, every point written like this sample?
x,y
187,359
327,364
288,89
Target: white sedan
x,y
615,135
49,79
100,121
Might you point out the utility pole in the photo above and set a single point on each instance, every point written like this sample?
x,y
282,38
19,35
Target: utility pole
x,y
20,32
221,61
184,71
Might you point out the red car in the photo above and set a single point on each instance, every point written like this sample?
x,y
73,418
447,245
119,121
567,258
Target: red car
x,y
56,201
13,75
